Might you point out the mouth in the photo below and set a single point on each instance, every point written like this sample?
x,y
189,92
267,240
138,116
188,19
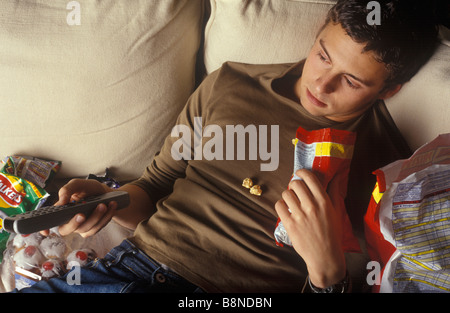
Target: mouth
x,y
314,100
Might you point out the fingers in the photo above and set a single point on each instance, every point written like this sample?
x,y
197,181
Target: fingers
x,y
98,219
310,221
282,210
63,197
77,189
292,198
70,192
304,196
88,226
45,232
72,225
309,180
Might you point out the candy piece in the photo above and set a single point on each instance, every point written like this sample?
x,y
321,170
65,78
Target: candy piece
x,y
30,251
21,241
53,247
28,258
80,257
52,268
48,266
256,190
247,183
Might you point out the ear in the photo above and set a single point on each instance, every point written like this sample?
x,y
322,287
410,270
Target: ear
x,y
386,94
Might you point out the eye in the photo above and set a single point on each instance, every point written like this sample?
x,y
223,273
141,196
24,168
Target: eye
x,y
321,56
350,84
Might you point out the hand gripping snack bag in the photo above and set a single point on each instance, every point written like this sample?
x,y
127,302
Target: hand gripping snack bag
x,y
17,195
407,223
328,153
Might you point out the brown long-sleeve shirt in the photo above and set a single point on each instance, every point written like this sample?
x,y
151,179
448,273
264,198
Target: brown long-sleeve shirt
x,y
211,230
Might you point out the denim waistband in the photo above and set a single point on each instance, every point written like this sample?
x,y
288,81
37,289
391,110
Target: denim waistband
x,y
143,266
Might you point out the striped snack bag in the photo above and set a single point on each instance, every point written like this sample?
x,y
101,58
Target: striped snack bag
x,y
327,153
407,223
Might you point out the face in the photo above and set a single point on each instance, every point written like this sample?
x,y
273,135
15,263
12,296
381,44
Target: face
x,y
339,80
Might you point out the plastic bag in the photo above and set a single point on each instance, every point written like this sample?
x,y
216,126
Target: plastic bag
x,y
35,257
38,171
408,222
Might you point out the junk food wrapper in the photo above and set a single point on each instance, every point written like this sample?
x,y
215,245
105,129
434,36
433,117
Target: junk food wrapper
x,y
328,153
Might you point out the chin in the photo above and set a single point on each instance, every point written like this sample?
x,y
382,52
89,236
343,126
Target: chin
x,y
310,107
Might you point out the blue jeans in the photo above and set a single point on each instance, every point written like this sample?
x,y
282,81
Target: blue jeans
x,y
124,269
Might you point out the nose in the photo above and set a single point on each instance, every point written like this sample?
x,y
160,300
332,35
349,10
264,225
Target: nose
x,y
325,83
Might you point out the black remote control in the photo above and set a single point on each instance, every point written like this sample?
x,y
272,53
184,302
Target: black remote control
x,y
50,216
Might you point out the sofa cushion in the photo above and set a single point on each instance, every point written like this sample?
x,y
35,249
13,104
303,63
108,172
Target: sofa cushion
x,y
421,109
277,31
95,84
281,31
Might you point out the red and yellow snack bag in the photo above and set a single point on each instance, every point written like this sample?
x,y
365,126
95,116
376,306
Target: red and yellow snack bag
x,y
328,153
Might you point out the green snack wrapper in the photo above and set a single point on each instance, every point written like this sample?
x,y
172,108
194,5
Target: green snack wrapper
x,y
17,195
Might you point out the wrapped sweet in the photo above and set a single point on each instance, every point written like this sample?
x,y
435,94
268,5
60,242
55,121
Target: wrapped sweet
x,y
54,247
52,268
80,257
36,257
29,258
21,241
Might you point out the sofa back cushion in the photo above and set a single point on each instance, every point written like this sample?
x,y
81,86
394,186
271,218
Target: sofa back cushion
x,y
276,31
421,109
95,84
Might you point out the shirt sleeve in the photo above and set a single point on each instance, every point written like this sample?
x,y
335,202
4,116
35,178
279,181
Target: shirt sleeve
x,y
170,163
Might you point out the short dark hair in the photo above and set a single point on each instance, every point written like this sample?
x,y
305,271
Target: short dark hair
x,y
405,39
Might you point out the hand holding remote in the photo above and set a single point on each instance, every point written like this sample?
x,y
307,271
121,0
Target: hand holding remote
x,y
78,189
84,206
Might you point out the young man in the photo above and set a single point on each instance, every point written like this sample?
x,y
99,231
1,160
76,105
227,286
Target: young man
x,y
197,228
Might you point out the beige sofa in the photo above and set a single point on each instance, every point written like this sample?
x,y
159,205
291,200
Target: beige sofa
x,y
98,84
